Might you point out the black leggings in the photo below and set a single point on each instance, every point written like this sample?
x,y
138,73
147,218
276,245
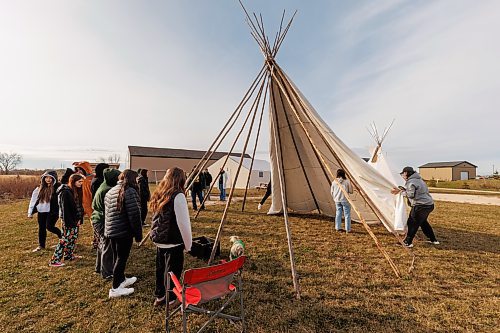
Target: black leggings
x,y
144,211
418,218
268,193
168,260
121,250
47,221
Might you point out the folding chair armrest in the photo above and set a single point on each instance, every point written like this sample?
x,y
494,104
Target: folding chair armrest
x,y
176,282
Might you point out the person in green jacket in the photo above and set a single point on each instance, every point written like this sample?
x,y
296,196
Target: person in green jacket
x,y
104,261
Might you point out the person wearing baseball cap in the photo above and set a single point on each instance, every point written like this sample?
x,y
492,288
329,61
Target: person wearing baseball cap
x,y
421,203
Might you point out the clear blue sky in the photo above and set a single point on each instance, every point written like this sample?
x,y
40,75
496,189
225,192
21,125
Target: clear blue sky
x,y
83,79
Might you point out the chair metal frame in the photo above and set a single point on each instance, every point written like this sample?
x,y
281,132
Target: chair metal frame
x,y
187,291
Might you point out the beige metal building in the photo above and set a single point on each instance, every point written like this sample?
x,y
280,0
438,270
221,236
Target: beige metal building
x,y
158,160
458,170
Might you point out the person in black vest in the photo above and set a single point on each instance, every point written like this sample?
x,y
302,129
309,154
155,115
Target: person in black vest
x,y
144,193
170,230
122,223
44,202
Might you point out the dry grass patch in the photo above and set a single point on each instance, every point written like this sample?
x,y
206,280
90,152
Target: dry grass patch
x,y
17,187
346,284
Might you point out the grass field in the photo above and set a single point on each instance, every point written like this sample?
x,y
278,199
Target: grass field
x,y
346,284
472,184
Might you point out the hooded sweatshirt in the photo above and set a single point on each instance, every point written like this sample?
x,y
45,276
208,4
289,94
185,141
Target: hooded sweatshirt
x,y
110,180
44,207
86,187
337,194
98,178
69,211
417,191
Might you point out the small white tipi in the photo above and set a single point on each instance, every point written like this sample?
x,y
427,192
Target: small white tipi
x,y
379,162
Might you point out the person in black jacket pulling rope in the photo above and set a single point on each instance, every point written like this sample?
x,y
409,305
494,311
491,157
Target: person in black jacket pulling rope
x,y
122,224
170,230
44,202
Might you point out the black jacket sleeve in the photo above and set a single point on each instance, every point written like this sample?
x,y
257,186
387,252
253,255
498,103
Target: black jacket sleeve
x,y
132,205
69,209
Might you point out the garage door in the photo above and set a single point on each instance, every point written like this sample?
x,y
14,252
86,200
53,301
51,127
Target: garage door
x,y
464,175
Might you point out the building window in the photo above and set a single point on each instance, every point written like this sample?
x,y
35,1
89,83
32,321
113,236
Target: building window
x,y
261,174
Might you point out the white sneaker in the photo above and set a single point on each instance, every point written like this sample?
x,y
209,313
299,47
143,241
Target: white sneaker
x,y
128,282
259,206
434,242
118,292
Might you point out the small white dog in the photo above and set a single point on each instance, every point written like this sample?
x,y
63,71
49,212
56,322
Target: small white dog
x,y
237,249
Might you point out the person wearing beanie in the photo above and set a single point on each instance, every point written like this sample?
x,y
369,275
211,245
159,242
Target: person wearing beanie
x,y
421,203
44,202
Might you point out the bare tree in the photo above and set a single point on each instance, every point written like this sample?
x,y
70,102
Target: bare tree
x,y
114,158
8,161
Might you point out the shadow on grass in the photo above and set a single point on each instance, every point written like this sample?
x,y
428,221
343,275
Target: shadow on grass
x,y
462,240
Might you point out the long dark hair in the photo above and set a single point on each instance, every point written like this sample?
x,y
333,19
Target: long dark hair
x,y
77,191
129,178
173,182
341,173
46,190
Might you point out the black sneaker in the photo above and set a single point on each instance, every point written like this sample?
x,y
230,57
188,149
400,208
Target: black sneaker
x,y
408,245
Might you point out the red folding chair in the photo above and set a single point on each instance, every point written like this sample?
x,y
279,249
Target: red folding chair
x,y
201,285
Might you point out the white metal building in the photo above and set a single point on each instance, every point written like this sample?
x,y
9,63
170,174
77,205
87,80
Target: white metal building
x,y
261,171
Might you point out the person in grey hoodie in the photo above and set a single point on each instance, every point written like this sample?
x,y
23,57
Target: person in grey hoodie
x,y
422,205
104,261
44,202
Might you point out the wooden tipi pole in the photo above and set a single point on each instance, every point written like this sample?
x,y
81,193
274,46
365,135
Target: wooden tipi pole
x,y
228,203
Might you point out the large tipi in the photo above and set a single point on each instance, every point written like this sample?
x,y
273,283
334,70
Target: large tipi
x,y
305,153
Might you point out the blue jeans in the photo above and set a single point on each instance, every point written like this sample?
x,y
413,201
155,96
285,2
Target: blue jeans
x,y
222,193
346,207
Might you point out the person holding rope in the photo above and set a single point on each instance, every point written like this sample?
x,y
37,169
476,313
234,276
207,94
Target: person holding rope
x,y
170,231
421,203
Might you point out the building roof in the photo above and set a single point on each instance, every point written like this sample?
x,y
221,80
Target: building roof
x,y
445,164
175,153
258,165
